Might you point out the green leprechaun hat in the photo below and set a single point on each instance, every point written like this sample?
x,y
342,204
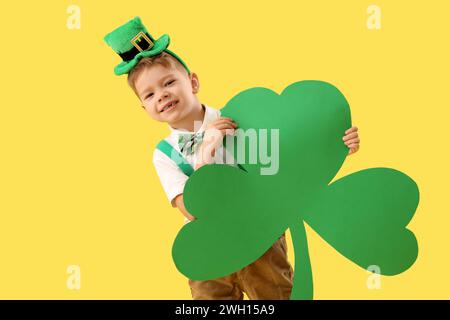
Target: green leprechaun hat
x,y
132,42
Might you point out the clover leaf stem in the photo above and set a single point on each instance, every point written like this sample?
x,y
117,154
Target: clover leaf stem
x,y
303,283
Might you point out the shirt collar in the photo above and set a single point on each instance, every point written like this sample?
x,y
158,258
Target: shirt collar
x,y
210,114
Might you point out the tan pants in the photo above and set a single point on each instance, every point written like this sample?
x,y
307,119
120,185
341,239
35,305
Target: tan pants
x,y
268,278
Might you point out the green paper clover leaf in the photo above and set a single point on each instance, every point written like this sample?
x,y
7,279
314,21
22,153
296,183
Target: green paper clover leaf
x,y
241,213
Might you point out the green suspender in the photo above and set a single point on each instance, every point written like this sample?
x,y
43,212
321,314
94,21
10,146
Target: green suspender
x,y
177,157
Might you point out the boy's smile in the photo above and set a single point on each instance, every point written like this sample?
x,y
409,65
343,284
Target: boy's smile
x,y
169,95
169,106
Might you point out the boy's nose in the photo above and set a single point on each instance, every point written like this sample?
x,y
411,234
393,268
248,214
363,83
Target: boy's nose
x,y
163,96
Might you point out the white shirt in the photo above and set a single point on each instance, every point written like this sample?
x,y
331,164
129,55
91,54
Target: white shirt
x,y
170,175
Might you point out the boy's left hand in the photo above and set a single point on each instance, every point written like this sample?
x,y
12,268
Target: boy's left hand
x,y
351,139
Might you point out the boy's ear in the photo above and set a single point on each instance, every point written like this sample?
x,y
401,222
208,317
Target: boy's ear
x,y
195,83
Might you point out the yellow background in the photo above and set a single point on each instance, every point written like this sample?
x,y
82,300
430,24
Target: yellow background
x,y
77,182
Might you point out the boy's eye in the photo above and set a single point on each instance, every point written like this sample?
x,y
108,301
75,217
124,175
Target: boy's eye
x,y
151,94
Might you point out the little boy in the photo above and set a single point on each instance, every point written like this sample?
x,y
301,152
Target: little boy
x,y
167,90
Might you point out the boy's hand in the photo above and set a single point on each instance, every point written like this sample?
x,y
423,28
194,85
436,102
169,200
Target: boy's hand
x,y
178,202
351,139
213,138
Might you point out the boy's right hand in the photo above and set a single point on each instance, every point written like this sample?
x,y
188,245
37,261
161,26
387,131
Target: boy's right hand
x,y
213,138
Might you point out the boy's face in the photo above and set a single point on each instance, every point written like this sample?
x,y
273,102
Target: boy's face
x,y
158,87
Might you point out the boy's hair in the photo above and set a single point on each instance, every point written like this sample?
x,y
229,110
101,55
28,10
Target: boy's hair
x,y
164,59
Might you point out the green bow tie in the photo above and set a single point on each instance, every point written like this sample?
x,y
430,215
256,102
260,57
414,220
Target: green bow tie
x,y
189,142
